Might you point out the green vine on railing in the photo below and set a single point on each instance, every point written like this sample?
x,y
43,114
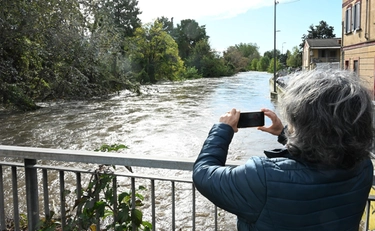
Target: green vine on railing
x,y
110,148
98,203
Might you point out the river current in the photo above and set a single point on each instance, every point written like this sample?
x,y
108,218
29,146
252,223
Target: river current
x,y
167,119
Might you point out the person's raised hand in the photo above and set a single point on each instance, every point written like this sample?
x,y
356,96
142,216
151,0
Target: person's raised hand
x,y
276,126
231,118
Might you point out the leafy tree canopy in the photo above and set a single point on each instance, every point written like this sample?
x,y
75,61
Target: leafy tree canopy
x,y
167,24
320,31
154,54
270,68
254,65
125,13
187,34
270,54
63,49
249,50
235,57
295,58
263,63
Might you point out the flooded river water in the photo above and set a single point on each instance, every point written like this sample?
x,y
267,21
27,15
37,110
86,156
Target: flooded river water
x,y
167,119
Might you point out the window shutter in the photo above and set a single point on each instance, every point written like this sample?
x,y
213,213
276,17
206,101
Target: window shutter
x,y
358,15
348,20
353,26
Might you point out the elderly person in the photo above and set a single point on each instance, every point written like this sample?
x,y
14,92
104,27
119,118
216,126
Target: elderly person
x,y
320,181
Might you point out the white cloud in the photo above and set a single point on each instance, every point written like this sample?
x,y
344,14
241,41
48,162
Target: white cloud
x,y
197,9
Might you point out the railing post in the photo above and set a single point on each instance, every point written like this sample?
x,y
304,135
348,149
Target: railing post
x,y
16,211
32,199
2,210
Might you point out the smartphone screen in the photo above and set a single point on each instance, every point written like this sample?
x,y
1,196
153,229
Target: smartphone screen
x,y
251,119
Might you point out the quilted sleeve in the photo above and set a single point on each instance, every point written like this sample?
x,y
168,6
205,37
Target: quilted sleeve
x,y
240,190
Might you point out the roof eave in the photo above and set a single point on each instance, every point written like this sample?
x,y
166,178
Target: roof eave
x,y
325,47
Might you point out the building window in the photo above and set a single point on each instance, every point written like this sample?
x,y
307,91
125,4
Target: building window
x,y
322,53
355,66
356,16
346,67
348,20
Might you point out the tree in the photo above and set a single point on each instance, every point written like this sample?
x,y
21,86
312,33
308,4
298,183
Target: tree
x,y
29,31
249,50
187,34
206,61
215,67
263,63
125,13
283,58
270,54
234,57
60,49
321,31
254,65
154,54
287,54
295,59
270,68
241,55
201,50
167,25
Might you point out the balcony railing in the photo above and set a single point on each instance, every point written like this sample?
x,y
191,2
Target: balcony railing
x,y
171,203
325,60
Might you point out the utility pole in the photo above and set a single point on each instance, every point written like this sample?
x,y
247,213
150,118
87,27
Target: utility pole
x,y
274,94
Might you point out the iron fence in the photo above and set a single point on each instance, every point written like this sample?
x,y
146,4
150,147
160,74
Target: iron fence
x,y
49,174
171,201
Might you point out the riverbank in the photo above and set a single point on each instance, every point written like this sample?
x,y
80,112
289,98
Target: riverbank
x,y
279,90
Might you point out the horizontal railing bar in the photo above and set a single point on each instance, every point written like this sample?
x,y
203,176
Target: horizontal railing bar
x,y
12,164
107,158
63,168
153,177
141,176
47,167
116,173
149,161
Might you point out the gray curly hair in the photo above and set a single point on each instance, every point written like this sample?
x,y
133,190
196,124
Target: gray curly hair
x,y
329,116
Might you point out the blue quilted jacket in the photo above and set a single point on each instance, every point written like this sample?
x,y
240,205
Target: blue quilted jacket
x,y
281,193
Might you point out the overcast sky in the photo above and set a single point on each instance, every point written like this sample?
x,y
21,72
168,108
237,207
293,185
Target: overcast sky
x,y
248,21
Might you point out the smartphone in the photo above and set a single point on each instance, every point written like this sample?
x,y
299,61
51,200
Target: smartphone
x,y
251,119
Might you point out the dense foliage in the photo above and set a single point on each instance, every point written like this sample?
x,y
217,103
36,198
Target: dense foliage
x,y
80,49
63,49
154,55
294,59
74,49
